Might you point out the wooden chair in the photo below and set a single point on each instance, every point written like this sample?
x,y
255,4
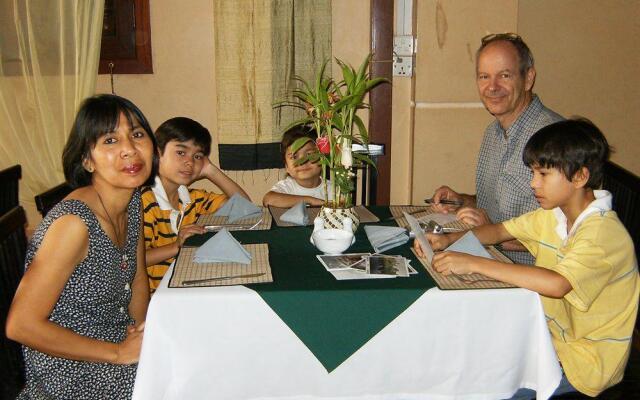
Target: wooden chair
x,y
47,200
13,246
625,188
9,188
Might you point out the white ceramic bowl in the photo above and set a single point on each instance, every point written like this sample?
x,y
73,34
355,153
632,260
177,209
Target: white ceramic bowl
x,y
332,241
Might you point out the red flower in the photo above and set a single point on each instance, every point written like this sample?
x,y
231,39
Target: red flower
x,y
323,145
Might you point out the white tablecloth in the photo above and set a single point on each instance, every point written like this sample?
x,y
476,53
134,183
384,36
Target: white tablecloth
x,y
226,343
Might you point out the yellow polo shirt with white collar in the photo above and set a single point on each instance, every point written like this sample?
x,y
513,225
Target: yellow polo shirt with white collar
x,y
592,325
162,222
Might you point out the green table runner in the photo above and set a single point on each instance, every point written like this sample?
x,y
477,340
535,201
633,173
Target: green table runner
x,y
332,318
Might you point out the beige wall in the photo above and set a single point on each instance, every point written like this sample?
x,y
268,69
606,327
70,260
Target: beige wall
x,y
437,118
184,63
449,120
588,63
587,58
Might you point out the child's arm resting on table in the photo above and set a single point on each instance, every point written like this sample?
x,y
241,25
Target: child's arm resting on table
x,y
218,178
155,255
541,280
285,200
486,234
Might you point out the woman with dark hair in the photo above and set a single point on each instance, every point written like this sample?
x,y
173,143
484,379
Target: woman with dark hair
x,y
80,308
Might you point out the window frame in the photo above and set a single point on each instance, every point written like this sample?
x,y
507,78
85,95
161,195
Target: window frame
x,y
128,49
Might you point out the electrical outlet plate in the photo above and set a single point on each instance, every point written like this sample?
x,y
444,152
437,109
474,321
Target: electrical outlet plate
x,y
403,66
403,45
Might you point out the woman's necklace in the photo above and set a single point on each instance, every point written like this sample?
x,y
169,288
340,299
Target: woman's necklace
x,y
123,252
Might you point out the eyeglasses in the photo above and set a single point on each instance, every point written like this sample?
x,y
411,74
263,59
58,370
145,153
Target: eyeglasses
x,y
508,36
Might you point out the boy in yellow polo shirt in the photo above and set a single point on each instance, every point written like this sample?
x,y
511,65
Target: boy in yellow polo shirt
x,y
589,273
170,207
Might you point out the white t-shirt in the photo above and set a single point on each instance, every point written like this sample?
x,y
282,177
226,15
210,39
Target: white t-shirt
x,y
290,186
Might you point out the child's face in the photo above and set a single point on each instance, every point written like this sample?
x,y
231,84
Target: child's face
x,y
551,187
303,172
181,162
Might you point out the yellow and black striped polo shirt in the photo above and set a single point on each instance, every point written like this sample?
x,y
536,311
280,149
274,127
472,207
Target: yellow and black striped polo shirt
x,y
157,226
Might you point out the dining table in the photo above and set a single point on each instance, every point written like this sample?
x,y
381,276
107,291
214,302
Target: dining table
x,y
307,335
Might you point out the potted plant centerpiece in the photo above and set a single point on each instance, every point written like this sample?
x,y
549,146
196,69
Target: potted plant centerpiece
x,y
331,109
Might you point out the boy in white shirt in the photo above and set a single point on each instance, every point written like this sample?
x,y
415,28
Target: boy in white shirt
x,y
586,271
304,181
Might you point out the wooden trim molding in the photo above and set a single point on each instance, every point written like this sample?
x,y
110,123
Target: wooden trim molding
x,y
380,97
126,38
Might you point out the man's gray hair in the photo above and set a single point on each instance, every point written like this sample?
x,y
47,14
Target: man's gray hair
x,y
525,57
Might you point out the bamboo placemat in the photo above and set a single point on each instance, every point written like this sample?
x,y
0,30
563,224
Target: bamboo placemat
x,y
419,212
186,269
470,281
264,225
365,215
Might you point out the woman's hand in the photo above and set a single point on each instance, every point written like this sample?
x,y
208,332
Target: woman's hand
x,y
128,351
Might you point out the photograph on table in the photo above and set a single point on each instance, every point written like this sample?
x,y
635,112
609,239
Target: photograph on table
x,y
387,265
412,271
344,261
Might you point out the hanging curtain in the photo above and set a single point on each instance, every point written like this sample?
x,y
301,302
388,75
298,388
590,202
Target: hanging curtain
x,y
260,45
49,54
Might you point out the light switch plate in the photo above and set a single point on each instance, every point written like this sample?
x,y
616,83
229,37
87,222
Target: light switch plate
x,y
403,45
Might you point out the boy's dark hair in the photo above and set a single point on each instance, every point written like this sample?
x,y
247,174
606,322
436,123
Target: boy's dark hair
x,y
568,146
183,129
294,134
99,115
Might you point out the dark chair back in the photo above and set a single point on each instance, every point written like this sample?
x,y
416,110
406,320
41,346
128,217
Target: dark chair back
x,y
625,188
13,246
47,200
9,188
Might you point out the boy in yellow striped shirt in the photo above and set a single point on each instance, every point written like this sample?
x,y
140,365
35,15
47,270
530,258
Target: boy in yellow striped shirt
x,y
170,207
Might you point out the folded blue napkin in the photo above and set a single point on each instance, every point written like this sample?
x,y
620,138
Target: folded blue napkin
x,y
296,214
222,248
469,244
237,207
383,238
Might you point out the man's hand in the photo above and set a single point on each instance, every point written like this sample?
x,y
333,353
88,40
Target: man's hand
x,y
473,216
188,231
449,262
442,193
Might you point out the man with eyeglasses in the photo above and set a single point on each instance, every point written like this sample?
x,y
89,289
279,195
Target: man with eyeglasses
x,y
505,75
